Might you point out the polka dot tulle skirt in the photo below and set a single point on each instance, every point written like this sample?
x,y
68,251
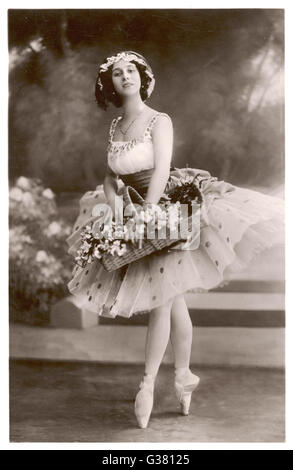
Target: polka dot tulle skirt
x,y
236,224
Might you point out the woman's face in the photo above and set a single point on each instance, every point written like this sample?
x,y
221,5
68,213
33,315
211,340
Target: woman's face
x,y
126,78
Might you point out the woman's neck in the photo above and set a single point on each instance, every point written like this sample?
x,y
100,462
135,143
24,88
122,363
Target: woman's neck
x,y
132,106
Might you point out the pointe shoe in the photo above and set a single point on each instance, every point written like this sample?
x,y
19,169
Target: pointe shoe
x,y
185,384
144,401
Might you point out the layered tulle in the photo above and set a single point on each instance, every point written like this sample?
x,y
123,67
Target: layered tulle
x,y
236,224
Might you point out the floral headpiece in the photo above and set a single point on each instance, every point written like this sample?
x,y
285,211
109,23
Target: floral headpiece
x,y
128,57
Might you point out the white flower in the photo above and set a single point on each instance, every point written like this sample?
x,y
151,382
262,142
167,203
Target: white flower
x,y
37,44
122,250
97,253
28,199
86,246
45,271
107,231
123,56
48,193
23,183
17,235
16,194
54,228
41,256
119,234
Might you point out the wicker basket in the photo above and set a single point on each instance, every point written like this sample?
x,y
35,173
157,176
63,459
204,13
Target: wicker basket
x,y
149,246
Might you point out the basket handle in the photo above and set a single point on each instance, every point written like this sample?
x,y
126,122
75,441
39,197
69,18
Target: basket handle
x,y
131,197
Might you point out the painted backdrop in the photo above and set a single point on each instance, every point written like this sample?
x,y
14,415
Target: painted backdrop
x,y
219,74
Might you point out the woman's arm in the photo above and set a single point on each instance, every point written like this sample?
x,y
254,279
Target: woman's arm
x,y
162,134
110,186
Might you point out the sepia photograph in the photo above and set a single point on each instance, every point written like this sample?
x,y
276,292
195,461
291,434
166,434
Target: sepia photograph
x,y
146,180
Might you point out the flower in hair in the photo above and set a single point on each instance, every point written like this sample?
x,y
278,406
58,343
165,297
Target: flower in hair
x,y
127,57
122,56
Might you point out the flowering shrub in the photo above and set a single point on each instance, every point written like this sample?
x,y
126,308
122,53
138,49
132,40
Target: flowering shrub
x,y
39,266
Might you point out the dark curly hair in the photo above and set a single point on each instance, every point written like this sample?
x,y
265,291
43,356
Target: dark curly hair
x,y
108,94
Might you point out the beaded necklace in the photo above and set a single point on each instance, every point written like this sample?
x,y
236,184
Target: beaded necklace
x,y
125,132
119,147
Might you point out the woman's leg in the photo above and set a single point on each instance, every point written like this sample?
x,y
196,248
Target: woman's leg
x,y
158,335
156,342
181,332
181,339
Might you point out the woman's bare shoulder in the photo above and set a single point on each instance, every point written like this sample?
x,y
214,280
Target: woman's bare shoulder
x,y
162,120
162,126
158,118
155,112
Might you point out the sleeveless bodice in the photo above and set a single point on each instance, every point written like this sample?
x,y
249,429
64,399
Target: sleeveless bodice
x,y
133,161
133,156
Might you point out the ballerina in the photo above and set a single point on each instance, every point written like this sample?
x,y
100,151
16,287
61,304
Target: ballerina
x,y
237,223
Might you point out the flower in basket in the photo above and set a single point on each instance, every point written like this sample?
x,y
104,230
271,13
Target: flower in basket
x,y
114,239
150,222
94,244
186,191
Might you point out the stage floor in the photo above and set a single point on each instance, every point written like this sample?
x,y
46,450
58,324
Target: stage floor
x,y
92,402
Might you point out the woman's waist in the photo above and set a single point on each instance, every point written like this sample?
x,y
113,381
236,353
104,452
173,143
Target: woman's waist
x,y
140,180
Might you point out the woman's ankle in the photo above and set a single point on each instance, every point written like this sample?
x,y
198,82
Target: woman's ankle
x,y
149,377
183,373
181,370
